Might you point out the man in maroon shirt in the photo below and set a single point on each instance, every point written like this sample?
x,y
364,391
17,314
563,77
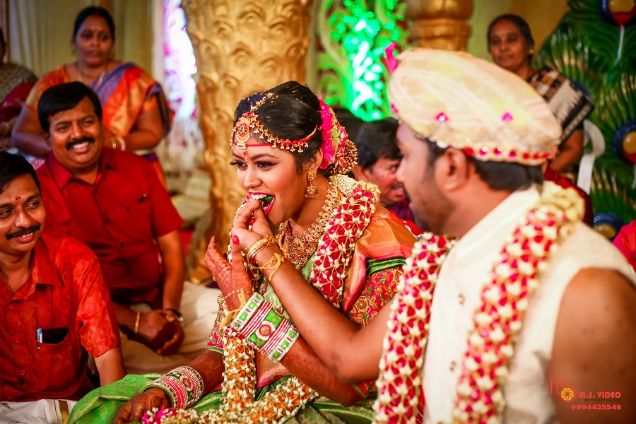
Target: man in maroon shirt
x,y
54,306
113,202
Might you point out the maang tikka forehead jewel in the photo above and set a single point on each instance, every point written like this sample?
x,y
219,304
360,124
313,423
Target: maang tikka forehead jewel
x,y
249,124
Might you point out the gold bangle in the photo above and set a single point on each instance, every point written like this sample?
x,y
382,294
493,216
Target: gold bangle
x,y
272,264
258,245
137,320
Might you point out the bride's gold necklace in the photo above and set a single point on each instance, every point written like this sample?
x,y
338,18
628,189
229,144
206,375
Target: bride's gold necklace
x,y
298,248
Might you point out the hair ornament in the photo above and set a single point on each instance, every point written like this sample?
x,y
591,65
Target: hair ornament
x,y
337,150
259,99
241,132
249,124
326,127
339,154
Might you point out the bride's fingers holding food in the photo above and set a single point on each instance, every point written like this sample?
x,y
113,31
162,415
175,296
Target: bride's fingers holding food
x,y
244,213
261,224
252,214
241,226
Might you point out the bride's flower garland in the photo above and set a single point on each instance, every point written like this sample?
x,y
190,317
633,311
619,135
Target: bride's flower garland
x,y
333,255
496,323
335,248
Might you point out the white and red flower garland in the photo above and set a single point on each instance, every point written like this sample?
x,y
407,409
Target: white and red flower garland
x,y
496,322
400,387
335,248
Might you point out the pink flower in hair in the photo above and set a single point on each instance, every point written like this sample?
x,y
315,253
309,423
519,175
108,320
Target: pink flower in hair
x,y
326,127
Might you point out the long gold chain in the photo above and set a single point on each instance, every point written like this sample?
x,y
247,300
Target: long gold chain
x,y
298,248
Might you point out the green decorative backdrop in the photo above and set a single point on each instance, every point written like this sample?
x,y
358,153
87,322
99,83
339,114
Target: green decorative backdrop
x,y
353,35
595,45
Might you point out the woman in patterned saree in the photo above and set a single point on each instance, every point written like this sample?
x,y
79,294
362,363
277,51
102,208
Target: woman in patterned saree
x,y
511,46
321,228
135,112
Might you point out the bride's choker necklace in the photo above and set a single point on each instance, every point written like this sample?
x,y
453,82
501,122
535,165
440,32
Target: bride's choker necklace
x,y
299,248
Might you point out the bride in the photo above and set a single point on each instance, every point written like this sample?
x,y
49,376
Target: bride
x,y
302,220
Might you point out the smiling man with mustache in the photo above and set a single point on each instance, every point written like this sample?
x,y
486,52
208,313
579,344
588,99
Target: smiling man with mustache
x,y
113,201
24,232
55,308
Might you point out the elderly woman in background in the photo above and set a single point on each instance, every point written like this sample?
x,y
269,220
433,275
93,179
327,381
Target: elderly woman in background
x,y
511,46
15,83
136,116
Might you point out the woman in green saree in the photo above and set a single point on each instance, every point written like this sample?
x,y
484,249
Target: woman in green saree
x,y
315,226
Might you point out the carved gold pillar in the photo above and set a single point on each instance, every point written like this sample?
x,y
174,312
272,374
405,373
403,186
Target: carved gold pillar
x,y
439,24
241,46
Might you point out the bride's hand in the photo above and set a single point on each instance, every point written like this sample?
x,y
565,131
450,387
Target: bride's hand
x,y
250,213
232,279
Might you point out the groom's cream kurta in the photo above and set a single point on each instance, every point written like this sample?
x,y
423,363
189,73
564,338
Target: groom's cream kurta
x,y
457,295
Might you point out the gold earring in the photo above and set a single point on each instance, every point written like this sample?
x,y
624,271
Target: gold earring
x,y
311,192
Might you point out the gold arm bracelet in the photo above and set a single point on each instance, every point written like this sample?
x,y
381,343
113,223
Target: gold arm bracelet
x,y
258,245
272,264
